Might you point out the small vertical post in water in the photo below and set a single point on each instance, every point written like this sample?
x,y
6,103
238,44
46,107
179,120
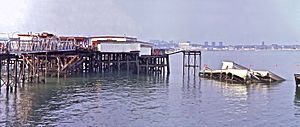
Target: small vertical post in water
x,y
101,64
46,68
16,73
38,70
137,64
189,60
168,64
147,65
195,59
23,70
200,60
118,60
0,74
7,69
127,62
33,68
29,67
183,61
58,66
189,64
164,65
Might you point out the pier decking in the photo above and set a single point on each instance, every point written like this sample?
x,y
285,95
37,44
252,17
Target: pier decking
x,y
47,55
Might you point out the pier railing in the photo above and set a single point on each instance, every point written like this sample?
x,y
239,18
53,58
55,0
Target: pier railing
x,y
15,45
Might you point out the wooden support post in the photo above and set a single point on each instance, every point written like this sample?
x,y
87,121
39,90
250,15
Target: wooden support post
x,y
23,70
46,68
118,60
38,64
108,63
91,66
168,64
183,61
164,65
29,67
189,59
147,65
137,64
127,62
195,56
0,74
200,59
100,62
58,66
16,73
33,68
8,75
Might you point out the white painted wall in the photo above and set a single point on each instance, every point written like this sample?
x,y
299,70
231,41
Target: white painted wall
x,y
118,47
104,39
145,51
25,38
227,65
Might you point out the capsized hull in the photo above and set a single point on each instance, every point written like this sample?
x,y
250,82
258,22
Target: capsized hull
x,y
238,74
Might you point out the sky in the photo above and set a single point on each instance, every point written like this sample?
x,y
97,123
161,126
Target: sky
x,y
230,21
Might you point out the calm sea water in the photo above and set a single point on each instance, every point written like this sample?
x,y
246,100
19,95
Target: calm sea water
x,y
181,100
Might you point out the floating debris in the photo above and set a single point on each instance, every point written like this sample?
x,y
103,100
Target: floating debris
x,y
235,73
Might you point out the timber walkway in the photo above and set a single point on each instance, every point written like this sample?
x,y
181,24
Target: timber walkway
x,y
35,60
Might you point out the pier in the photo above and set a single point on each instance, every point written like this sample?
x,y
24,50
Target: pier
x,y
32,58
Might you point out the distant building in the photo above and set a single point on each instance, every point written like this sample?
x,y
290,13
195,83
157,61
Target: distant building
x,y
220,44
184,45
213,44
206,43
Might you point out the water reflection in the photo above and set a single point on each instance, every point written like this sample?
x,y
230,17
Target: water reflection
x,y
297,101
190,78
297,96
69,101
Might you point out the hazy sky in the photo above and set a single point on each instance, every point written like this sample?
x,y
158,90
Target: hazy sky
x,y
235,21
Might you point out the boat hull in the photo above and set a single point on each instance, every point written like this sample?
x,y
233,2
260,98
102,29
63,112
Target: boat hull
x,y
297,79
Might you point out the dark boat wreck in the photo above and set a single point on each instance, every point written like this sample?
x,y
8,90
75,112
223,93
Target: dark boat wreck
x,y
235,73
297,79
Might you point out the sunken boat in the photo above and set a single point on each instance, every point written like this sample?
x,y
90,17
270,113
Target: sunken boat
x,y
235,73
297,79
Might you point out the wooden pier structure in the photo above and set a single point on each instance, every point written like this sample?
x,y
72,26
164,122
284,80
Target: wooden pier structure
x,y
46,55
